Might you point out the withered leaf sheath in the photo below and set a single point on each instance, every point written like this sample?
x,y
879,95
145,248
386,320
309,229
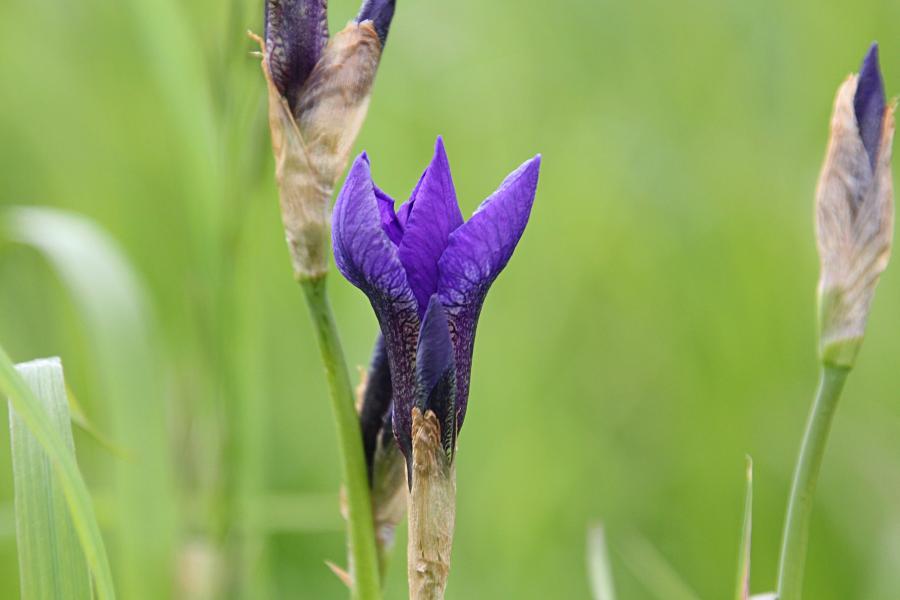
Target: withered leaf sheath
x,y
319,91
432,510
854,211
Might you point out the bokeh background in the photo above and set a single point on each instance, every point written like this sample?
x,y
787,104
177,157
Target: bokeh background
x,y
655,325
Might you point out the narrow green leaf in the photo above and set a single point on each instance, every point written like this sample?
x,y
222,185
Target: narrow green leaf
x,y
598,565
30,410
120,326
51,563
743,580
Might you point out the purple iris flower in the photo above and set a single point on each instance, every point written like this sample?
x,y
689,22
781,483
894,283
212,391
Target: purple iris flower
x,y
426,273
296,33
868,103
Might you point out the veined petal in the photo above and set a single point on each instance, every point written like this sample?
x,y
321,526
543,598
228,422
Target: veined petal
x,y
369,260
476,253
380,12
389,221
406,208
868,104
433,217
436,372
362,250
296,32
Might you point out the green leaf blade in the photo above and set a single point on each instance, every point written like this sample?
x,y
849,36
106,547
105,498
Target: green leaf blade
x,y
51,561
27,407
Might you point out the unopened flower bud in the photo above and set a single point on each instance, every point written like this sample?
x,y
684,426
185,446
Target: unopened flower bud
x,y
318,97
854,211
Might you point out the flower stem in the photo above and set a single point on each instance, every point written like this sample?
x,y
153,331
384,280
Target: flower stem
x,y
809,461
364,564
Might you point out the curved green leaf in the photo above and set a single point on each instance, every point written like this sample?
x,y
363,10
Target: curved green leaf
x,y
32,413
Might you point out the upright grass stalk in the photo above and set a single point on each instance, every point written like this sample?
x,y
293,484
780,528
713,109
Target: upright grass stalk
x,y
364,563
803,488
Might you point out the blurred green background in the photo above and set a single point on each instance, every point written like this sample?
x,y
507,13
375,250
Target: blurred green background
x,y
655,325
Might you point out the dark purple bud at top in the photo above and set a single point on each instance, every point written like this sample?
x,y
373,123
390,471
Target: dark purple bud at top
x,y
296,32
436,372
376,402
868,104
380,12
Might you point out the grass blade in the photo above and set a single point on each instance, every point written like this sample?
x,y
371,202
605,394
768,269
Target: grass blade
x,y
120,327
598,565
743,582
35,417
51,562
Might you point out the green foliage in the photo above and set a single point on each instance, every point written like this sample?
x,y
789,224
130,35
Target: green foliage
x,y
655,325
119,324
51,563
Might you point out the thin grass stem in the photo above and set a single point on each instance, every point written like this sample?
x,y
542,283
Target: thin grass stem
x,y
803,488
364,563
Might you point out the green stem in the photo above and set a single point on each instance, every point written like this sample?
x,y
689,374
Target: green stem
x,y
803,488
364,567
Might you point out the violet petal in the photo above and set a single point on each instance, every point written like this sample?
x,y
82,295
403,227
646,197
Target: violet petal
x,y
296,32
380,12
389,221
435,372
476,253
868,104
435,215
368,259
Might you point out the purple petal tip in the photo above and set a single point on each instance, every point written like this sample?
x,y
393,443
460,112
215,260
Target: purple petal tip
x,y
381,13
869,102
